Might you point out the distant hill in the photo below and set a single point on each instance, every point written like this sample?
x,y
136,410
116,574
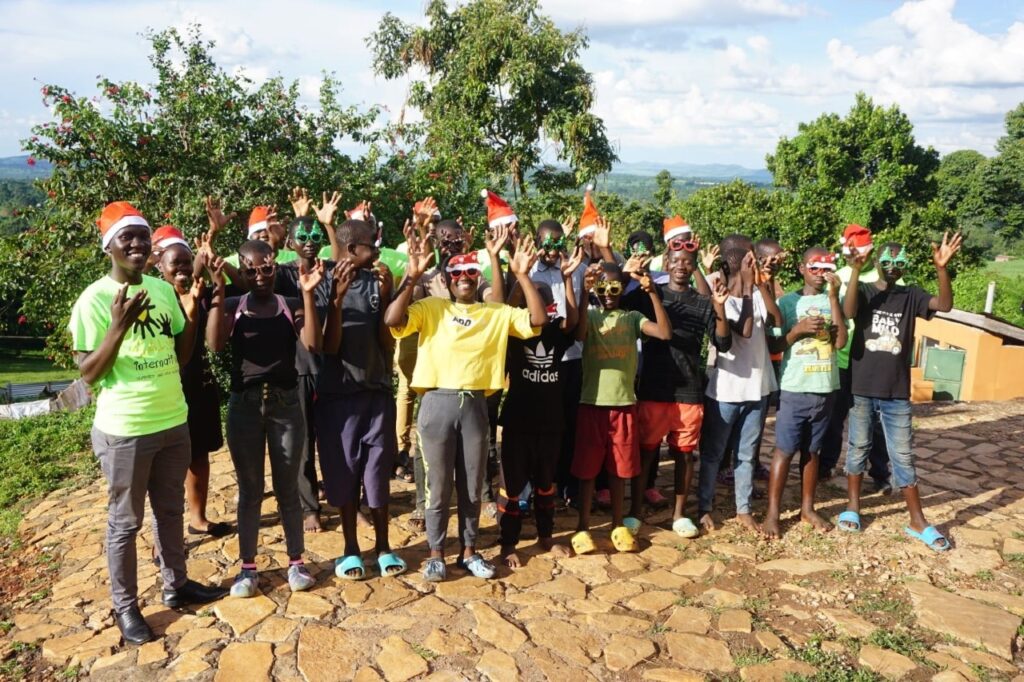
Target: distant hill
x,y
709,171
17,168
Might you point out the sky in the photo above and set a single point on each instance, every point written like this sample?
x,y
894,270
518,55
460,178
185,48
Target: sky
x,y
677,81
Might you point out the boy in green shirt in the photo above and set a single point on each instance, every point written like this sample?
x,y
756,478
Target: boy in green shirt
x,y
129,335
813,328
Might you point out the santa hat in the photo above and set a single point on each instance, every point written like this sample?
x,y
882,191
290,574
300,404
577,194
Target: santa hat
x,y
419,205
464,261
115,217
169,235
855,237
258,220
362,212
498,210
674,227
825,261
588,221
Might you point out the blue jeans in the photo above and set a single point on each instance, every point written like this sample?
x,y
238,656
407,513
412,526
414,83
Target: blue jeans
x,y
894,415
739,423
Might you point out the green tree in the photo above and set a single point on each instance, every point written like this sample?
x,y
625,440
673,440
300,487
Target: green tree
x,y
735,207
502,84
197,130
663,193
957,173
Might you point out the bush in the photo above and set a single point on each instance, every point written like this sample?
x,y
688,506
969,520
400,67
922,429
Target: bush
x,y
971,287
39,455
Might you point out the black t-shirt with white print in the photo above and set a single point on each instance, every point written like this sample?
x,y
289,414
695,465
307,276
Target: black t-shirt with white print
x,y
534,397
883,339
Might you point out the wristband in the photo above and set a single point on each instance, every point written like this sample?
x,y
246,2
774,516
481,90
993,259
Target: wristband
x,y
775,332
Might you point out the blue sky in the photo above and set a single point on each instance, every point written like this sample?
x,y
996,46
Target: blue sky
x,y
700,81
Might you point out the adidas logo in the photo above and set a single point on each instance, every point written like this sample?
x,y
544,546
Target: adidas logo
x,y
542,358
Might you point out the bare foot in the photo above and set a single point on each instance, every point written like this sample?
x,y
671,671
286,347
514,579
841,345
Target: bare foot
x,y
509,556
707,522
311,522
810,516
748,521
557,550
771,527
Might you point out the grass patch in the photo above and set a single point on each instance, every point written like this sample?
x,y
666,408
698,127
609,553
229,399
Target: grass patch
x,y
31,367
657,629
985,575
423,652
830,667
751,657
1015,560
900,641
876,602
39,455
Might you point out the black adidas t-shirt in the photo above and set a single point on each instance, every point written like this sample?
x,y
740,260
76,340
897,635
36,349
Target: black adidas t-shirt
x,y
534,398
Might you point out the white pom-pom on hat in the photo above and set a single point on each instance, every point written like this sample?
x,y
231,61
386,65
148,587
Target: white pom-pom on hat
x,y
483,194
590,187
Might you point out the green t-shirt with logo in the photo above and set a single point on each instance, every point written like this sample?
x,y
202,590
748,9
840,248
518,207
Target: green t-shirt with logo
x,y
610,357
809,365
141,394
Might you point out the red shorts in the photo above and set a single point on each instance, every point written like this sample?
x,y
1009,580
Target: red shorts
x,y
679,421
606,436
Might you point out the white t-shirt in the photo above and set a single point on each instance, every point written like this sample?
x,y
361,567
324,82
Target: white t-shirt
x,y
743,373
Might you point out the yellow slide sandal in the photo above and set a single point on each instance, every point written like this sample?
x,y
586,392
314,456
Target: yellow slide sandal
x,y
624,540
583,543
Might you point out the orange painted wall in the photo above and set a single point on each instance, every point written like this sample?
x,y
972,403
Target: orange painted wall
x,y
992,371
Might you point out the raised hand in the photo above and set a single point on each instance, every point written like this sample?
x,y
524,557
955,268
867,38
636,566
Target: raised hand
x,y
216,269
748,269
644,279
125,311
343,274
719,293
525,256
834,284
708,257
591,276
327,209
216,216
385,279
420,255
190,299
300,201
602,233
568,222
204,247
496,239
858,259
569,265
310,278
427,209
637,263
941,254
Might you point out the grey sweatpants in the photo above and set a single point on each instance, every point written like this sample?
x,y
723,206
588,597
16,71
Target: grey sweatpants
x,y
264,419
134,466
448,418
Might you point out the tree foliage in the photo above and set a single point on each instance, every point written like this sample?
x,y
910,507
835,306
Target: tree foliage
x,y
502,83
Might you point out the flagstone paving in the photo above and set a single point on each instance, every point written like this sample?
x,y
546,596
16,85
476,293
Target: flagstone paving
x,y
728,605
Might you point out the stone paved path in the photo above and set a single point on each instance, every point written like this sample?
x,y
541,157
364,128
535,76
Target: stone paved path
x,y
728,605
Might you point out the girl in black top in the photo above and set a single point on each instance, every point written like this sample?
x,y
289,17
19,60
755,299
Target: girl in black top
x,y
264,411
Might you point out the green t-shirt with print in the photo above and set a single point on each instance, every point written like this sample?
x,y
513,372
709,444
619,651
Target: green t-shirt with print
x,y
141,394
809,365
610,357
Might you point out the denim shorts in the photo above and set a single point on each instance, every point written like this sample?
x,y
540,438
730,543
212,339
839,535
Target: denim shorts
x,y
894,414
802,420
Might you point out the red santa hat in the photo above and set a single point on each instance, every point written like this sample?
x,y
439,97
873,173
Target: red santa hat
x,y
258,220
498,210
855,237
169,235
674,227
825,261
588,220
115,217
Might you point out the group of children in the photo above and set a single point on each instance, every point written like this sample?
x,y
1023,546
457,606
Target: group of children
x,y
601,360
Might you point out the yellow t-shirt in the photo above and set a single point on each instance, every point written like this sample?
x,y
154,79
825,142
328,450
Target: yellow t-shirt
x,y
462,347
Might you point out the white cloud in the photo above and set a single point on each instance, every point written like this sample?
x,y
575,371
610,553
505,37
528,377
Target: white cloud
x,y
632,13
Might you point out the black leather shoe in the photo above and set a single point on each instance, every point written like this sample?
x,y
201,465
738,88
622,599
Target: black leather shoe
x,y
133,626
191,593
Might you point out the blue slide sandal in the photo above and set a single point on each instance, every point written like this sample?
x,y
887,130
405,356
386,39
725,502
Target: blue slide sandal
x,y
352,562
929,536
388,562
849,517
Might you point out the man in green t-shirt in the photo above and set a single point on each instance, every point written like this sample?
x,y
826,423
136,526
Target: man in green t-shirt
x,y
129,335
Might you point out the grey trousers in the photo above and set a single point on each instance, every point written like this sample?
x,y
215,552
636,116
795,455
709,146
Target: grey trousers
x,y
134,466
448,418
263,418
